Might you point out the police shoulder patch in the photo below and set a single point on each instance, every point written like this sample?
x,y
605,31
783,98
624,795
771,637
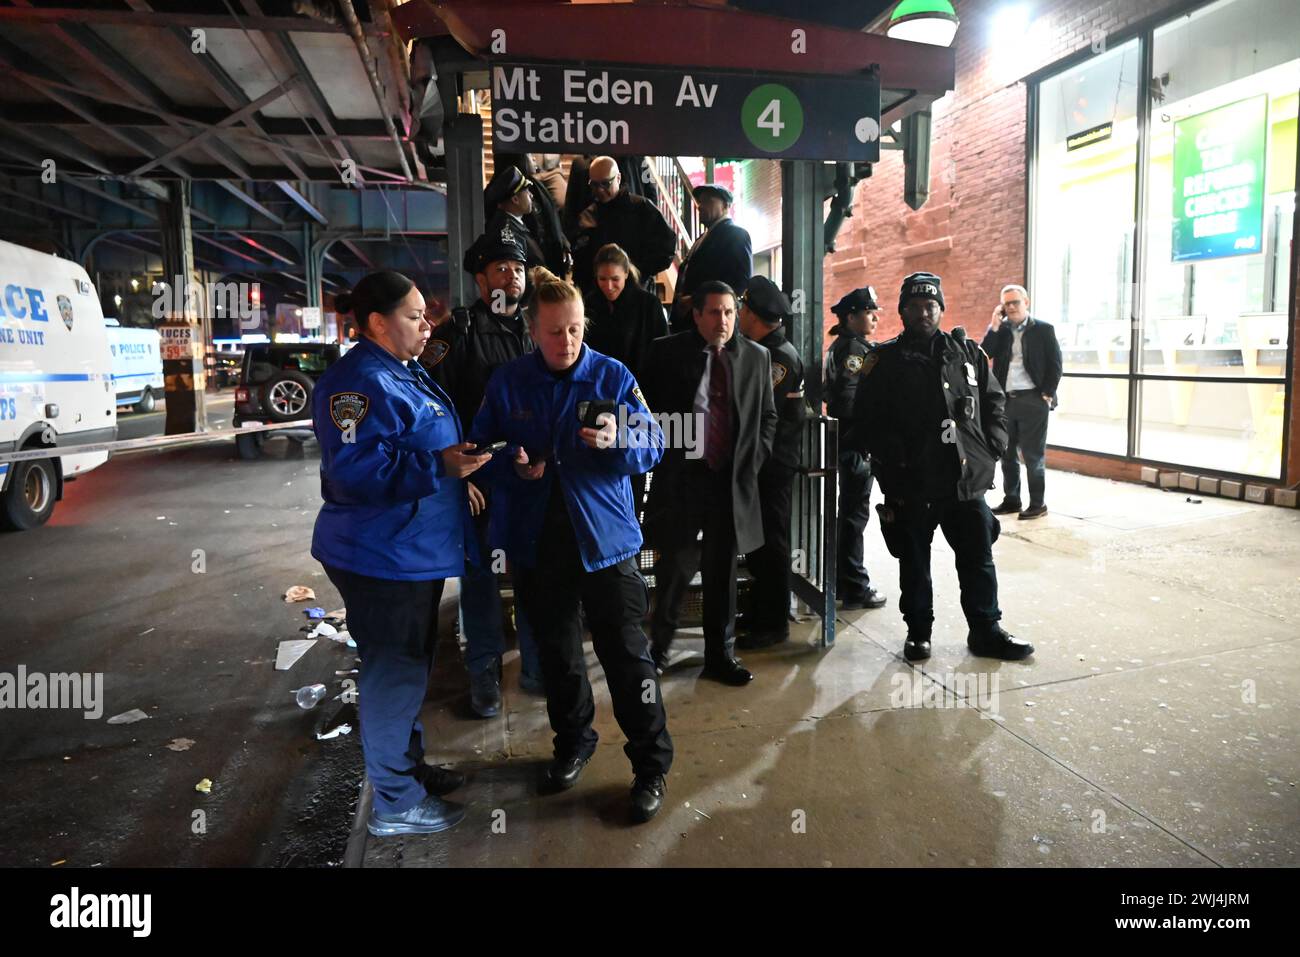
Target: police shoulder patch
x,y
347,409
636,391
853,364
779,372
435,352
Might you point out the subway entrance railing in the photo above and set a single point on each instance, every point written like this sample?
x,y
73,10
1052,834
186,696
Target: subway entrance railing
x,y
813,517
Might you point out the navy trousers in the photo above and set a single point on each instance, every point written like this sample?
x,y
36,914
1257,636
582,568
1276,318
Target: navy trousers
x,y
394,624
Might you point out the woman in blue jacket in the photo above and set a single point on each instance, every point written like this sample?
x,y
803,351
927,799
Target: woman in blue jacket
x,y
562,511
391,531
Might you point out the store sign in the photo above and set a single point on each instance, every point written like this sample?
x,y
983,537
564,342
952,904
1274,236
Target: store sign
x,y
176,341
1219,181
671,112
311,317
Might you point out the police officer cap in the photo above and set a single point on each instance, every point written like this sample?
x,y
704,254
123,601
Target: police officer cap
x,y
705,188
490,248
925,284
766,300
859,300
504,183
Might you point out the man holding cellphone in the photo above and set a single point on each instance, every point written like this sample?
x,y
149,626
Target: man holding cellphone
x,y
1027,362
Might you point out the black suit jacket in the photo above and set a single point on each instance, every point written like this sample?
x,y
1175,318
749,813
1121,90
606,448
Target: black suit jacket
x,y
1042,355
674,367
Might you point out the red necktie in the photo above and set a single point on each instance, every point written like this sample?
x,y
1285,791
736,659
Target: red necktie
x,y
718,439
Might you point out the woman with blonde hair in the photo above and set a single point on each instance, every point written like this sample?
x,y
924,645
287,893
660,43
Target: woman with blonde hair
x,y
576,430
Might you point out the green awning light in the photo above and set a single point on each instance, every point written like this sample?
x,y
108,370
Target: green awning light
x,y
924,21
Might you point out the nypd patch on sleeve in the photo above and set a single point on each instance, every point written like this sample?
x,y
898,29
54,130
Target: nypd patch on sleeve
x,y
347,409
779,372
434,352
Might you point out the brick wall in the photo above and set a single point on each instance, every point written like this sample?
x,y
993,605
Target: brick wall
x,y
971,231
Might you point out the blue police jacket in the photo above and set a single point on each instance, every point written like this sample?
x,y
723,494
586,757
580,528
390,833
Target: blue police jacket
x,y
528,406
390,509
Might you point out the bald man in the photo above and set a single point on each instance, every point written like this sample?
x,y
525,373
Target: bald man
x,y
618,216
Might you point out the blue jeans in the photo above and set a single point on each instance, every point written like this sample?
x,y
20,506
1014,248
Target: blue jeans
x,y
481,621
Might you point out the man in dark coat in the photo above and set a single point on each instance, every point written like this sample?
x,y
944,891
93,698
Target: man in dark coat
x,y
618,216
724,253
714,390
762,309
506,201
1027,363
547,245
929,414
461,356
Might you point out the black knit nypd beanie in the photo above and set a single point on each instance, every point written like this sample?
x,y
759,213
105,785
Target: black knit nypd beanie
x,y
921,284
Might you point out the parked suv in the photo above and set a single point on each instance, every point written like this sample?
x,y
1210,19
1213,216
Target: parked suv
x,y
276,383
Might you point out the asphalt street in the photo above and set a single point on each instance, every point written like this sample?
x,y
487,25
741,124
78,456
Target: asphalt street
x,y
164,572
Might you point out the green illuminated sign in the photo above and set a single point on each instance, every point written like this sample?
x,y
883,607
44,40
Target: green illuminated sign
x,y
1219,181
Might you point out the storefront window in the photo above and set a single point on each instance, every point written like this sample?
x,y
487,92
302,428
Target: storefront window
x,y
1085,196
1218,204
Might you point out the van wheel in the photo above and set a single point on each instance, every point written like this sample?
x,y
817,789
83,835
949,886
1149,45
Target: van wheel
x,y
249,446
29,500
146,403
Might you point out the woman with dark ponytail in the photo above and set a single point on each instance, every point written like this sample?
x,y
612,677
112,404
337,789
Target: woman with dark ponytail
x,y
391,531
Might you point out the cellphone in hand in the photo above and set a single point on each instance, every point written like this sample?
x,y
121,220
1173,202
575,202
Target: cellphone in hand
x,y
491,448
590,411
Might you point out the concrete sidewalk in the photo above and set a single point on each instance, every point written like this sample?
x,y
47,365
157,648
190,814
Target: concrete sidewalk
x,y
1156,725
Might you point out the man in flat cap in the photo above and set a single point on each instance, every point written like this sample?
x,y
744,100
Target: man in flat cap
x,y
619,216
858,314
930,414
461,355
723,253
762,309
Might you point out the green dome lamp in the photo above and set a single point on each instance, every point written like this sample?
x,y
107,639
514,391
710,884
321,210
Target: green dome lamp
x,y
924,21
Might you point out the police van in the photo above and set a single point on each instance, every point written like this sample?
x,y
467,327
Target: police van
x,y
137,366
56,382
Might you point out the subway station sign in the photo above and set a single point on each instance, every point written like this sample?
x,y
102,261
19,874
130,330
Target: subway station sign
x,y
1219,181
546,108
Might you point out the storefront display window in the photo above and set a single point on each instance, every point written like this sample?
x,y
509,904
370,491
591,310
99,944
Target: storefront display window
x,y
1187,317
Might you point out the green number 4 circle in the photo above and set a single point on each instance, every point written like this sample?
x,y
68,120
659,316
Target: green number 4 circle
x,y
772,117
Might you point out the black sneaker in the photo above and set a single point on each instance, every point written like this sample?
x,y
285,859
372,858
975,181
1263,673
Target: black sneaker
x,y
647,796
1008,506
430,816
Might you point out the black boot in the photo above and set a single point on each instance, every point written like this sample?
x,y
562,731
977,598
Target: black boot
x,y
917,646
1008,506
647,796
992,641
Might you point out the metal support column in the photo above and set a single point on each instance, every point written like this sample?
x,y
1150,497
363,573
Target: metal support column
x,y
463,143
313,264
804,186
185,333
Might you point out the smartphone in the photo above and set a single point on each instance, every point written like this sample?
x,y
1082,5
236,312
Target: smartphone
x,y
589,411
492,448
